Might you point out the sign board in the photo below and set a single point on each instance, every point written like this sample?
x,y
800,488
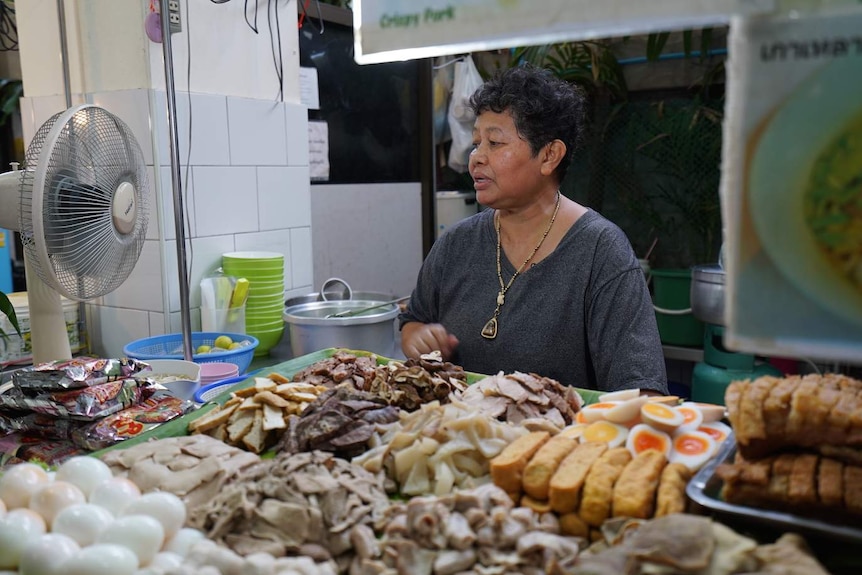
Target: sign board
x,y
792,185
387,30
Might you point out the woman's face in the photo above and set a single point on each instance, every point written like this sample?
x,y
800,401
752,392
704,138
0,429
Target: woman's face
x,y
501,164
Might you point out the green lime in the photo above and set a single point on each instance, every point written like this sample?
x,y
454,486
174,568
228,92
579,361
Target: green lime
x,y
203,349
235,345
223,342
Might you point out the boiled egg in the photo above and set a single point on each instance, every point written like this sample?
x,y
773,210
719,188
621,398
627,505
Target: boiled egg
x,y
53,497
115,494
692,416
613,434
710,411
166,507
643,437
718,430
18,483
46,554
183,540
692,448
82,522
17,528
626,412
84,471
102,559
596,411
143,534
575,430
621,395
662,417
166,561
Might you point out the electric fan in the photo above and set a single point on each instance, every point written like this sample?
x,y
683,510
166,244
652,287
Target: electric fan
x,y
81,205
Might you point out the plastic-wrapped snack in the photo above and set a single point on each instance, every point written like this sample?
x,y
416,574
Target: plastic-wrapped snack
x,y
37,424
17,447
131,422
75,373
85,403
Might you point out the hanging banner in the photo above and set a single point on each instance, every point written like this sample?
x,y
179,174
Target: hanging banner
x,y
792,185
387,30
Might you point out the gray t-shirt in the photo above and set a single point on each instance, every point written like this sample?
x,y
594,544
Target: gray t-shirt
x,y
582,316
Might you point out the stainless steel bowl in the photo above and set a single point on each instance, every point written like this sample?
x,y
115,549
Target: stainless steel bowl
x,y
707,293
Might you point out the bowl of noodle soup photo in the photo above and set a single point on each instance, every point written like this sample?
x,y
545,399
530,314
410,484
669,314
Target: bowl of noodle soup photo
x,y
804,188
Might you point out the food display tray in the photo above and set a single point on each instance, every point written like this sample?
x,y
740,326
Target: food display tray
x,y
705,490
179,426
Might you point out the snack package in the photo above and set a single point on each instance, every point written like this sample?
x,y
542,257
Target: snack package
x,y
75,373
84,403
162,406
37,425
16,448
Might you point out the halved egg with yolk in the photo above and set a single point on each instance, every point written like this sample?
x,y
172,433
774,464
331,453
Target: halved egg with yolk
x,y
711,412
613,434
621,395
596,411
642,437
692,449
661,416
716,429
627,412
692,416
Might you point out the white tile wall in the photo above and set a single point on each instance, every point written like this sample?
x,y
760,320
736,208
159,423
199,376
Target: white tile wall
x,y
257,132
246,188
301,260
166,201
296,128
284,197
112,328
225,200
208,129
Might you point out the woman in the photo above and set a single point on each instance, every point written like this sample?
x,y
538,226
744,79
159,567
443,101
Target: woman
x,y
536,283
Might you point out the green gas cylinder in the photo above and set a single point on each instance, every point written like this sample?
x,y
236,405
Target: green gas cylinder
x,y
720,367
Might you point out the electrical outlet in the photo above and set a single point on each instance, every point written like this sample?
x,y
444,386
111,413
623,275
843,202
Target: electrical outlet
x,y
174,16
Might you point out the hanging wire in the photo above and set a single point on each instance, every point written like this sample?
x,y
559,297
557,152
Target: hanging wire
x,y
302,16
275,45
8,27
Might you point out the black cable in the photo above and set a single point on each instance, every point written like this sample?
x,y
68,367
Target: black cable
x,y
277,60
8,27
245,10
186,219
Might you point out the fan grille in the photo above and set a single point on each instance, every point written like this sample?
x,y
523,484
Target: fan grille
x,y
85,254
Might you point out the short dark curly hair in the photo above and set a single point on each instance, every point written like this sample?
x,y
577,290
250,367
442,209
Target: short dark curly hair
x,y
543,107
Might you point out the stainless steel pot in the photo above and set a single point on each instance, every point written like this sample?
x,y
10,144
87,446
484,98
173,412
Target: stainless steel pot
x,y
310,330
707,293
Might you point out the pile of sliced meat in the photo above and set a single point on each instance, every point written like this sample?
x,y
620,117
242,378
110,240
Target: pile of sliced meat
x,y
304,504
525,399
340,420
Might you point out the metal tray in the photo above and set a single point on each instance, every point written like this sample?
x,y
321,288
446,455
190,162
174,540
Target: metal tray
x,y
705,490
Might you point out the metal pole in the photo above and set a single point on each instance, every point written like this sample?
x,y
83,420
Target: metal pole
x,y
64,51
179,213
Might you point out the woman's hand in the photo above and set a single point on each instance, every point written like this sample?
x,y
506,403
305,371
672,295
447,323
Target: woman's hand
x,y
421,338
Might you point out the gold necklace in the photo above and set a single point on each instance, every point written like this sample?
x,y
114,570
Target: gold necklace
x,y
489,331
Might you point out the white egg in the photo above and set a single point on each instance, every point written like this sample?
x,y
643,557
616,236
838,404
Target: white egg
x,y
53,497
166,561
183,540
115,494
102,559
143,534
166,507
17,529
84,471
45,555
82,522
19,482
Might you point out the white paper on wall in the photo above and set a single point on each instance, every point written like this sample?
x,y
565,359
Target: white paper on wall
x,y
309,91
318,151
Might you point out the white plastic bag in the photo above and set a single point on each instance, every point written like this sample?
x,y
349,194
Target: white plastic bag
x,y
461,117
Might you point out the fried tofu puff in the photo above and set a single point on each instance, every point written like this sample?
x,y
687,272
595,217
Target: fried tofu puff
x,y
564,492
671,489
597,493
634,493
